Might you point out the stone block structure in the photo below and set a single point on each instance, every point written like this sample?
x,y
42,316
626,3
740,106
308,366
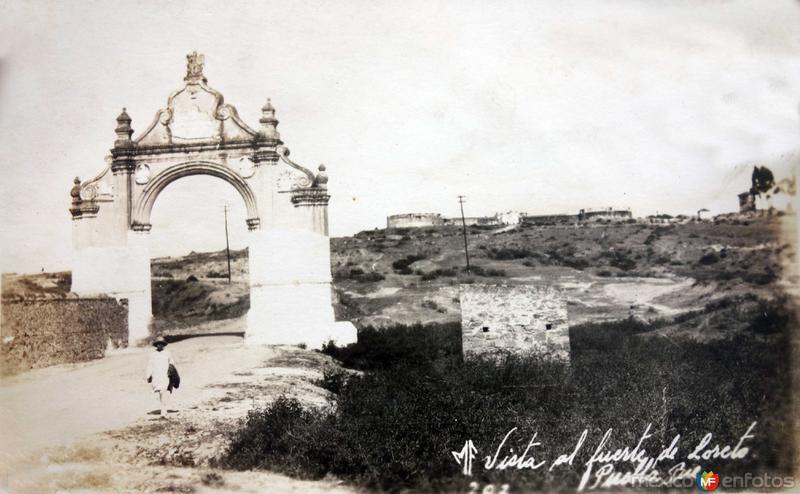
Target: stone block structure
x,y
414,220
513,319
197,133
39,333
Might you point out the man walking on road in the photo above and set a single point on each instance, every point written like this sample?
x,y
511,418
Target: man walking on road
x,y
158,372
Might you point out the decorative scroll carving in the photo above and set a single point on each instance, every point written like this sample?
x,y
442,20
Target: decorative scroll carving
x,y
89,192
283,153
83,204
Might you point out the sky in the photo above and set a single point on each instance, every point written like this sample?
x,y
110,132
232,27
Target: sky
x,y
539,107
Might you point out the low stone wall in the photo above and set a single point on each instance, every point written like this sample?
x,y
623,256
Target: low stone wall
x,y
500,319
39,333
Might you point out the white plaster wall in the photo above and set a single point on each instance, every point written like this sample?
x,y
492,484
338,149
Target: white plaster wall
x,y
120,272
290,290
288,256
294,313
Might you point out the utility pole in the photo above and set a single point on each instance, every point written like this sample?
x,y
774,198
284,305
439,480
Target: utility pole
x,y
464,229
227,246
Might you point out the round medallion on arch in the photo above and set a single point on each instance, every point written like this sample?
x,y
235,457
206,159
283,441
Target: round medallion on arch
x,y
142,174
246,167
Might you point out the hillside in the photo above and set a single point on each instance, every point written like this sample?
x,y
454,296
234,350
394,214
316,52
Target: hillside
x,y
607,271
386,276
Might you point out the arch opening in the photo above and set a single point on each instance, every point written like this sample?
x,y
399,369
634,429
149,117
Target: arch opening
x,y
198,285
144,205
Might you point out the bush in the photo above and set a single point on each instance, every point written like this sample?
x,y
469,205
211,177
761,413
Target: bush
x,y
508,253
370,277
415,345
576,263
333,379
432,275
765,278
393,427
621,261
358,274
487,272
709,258
402,265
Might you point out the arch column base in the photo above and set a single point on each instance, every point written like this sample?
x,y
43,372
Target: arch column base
x,y
121,272
291,299
295,314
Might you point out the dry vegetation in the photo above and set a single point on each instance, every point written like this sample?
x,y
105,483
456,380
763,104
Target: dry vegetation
x,y
683,326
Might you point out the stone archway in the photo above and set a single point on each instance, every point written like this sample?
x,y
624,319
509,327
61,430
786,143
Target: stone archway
x,y
287,209
143,205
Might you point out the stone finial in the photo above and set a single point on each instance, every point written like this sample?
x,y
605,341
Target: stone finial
x,y
268,121
75,192
123,130
194,68
322,178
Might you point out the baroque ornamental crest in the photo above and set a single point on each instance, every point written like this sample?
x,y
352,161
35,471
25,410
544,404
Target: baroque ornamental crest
x,y
194,67
197,114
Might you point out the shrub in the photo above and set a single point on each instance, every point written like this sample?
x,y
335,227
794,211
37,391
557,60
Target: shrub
x,y
402,265
508,253
765,278
358,274
393,427
622,262
333,379
709,258
487,272
371,277
576,263
415,345
432,275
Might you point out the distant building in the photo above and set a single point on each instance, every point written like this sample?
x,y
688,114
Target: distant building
x,y
509,217
414,220
519,319
747,202
474,221
605,214
583,215
421,220
548,219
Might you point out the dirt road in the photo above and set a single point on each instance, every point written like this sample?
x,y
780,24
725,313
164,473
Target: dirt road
x,y
91,425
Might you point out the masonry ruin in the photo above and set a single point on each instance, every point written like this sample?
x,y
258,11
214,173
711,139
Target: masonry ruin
x,y
513,319
197,133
